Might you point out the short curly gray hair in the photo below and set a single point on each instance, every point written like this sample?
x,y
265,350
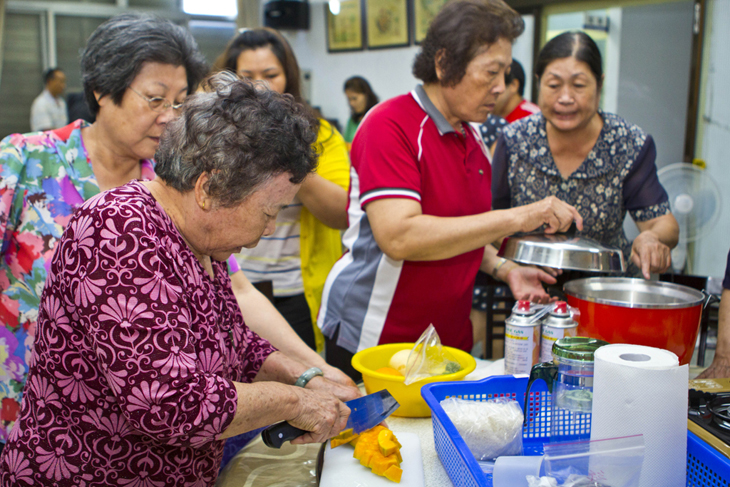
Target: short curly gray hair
x,y
241,136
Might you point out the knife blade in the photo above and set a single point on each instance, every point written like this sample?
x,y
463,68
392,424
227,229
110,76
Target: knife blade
x,y
369,411
365,412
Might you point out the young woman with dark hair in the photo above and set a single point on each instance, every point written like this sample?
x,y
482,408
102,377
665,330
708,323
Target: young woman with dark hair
x,y
361,98
263,38
307,241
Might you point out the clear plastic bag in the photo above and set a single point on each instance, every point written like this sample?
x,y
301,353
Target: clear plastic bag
x,y
572,481
614,462
428,358
489,428
533,481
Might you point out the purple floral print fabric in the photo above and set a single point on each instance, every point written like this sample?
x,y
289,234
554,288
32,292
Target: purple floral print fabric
x,y
136,348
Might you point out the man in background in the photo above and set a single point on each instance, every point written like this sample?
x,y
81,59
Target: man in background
x,y
511,104
48,111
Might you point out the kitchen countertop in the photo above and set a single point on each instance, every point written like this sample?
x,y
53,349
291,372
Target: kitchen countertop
x,y
245,469
292,466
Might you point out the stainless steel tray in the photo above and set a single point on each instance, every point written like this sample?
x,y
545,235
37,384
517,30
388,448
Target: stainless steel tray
x,y
563,251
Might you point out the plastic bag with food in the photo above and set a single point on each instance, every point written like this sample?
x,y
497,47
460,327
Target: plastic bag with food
x,y
426,359
614,462
489,428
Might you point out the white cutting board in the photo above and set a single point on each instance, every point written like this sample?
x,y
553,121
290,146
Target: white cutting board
x,y
340,469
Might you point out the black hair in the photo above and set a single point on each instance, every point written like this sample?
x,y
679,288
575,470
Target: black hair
x,y
516,73
49,74
576,44
250,39
458,32
240,136
118,48
358,84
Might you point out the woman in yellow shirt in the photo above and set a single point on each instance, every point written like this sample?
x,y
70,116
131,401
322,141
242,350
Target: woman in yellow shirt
x,y
307,242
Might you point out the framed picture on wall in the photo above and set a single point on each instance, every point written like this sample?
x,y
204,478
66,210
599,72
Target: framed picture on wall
x,y
423,12
387,23
344,30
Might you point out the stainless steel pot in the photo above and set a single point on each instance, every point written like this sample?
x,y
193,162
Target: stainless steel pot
x,y
634,293
656,314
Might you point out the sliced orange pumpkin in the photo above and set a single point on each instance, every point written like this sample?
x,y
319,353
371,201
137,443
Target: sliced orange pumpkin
x,y
346,436
393,473
379,450
386,443
381,463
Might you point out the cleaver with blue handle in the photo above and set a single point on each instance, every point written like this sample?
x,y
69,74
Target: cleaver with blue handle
x,y
365,413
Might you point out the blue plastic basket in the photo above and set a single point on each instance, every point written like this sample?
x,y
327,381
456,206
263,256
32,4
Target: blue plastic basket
x,y
706,467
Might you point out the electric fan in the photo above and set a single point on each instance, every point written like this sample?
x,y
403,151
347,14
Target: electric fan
x,y
695,201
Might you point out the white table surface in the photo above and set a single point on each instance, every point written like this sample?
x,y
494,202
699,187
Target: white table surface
x,y
433,471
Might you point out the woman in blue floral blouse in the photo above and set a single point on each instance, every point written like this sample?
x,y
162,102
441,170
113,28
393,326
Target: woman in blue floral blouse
x,y
596,161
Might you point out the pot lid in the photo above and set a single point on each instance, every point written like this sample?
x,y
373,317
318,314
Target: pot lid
x,y
634,293
563,251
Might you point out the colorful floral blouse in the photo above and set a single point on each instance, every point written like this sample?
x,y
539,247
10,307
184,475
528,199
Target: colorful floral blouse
x,y
44,177
136,351
619,174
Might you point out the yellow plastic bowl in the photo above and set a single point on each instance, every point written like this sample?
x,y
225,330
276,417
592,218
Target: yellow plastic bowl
x,y
409,397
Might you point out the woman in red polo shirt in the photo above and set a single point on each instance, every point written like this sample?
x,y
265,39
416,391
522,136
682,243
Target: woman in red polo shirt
x,y
420,225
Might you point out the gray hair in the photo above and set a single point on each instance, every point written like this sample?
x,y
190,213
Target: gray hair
x,y
118,48
240,135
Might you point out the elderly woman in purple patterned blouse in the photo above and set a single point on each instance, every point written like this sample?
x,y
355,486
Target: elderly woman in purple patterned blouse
x,y
596,161
142,362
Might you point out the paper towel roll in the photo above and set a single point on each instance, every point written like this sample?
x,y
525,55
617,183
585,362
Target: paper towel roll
x,y
643,390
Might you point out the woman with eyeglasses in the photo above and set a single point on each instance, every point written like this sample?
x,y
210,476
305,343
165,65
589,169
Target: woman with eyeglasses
x,y
143,362
136,71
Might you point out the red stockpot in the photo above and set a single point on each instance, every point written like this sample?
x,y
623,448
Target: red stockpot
x,y
653,313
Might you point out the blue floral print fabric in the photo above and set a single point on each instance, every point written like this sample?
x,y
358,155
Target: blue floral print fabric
x,y
618,175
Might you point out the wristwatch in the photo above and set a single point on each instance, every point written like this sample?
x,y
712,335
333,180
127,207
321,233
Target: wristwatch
x,y
308,375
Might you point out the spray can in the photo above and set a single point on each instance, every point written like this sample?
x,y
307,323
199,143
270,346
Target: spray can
x,y
522,339
558,324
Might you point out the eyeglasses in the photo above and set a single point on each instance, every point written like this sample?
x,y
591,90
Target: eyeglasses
x,y
158,104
